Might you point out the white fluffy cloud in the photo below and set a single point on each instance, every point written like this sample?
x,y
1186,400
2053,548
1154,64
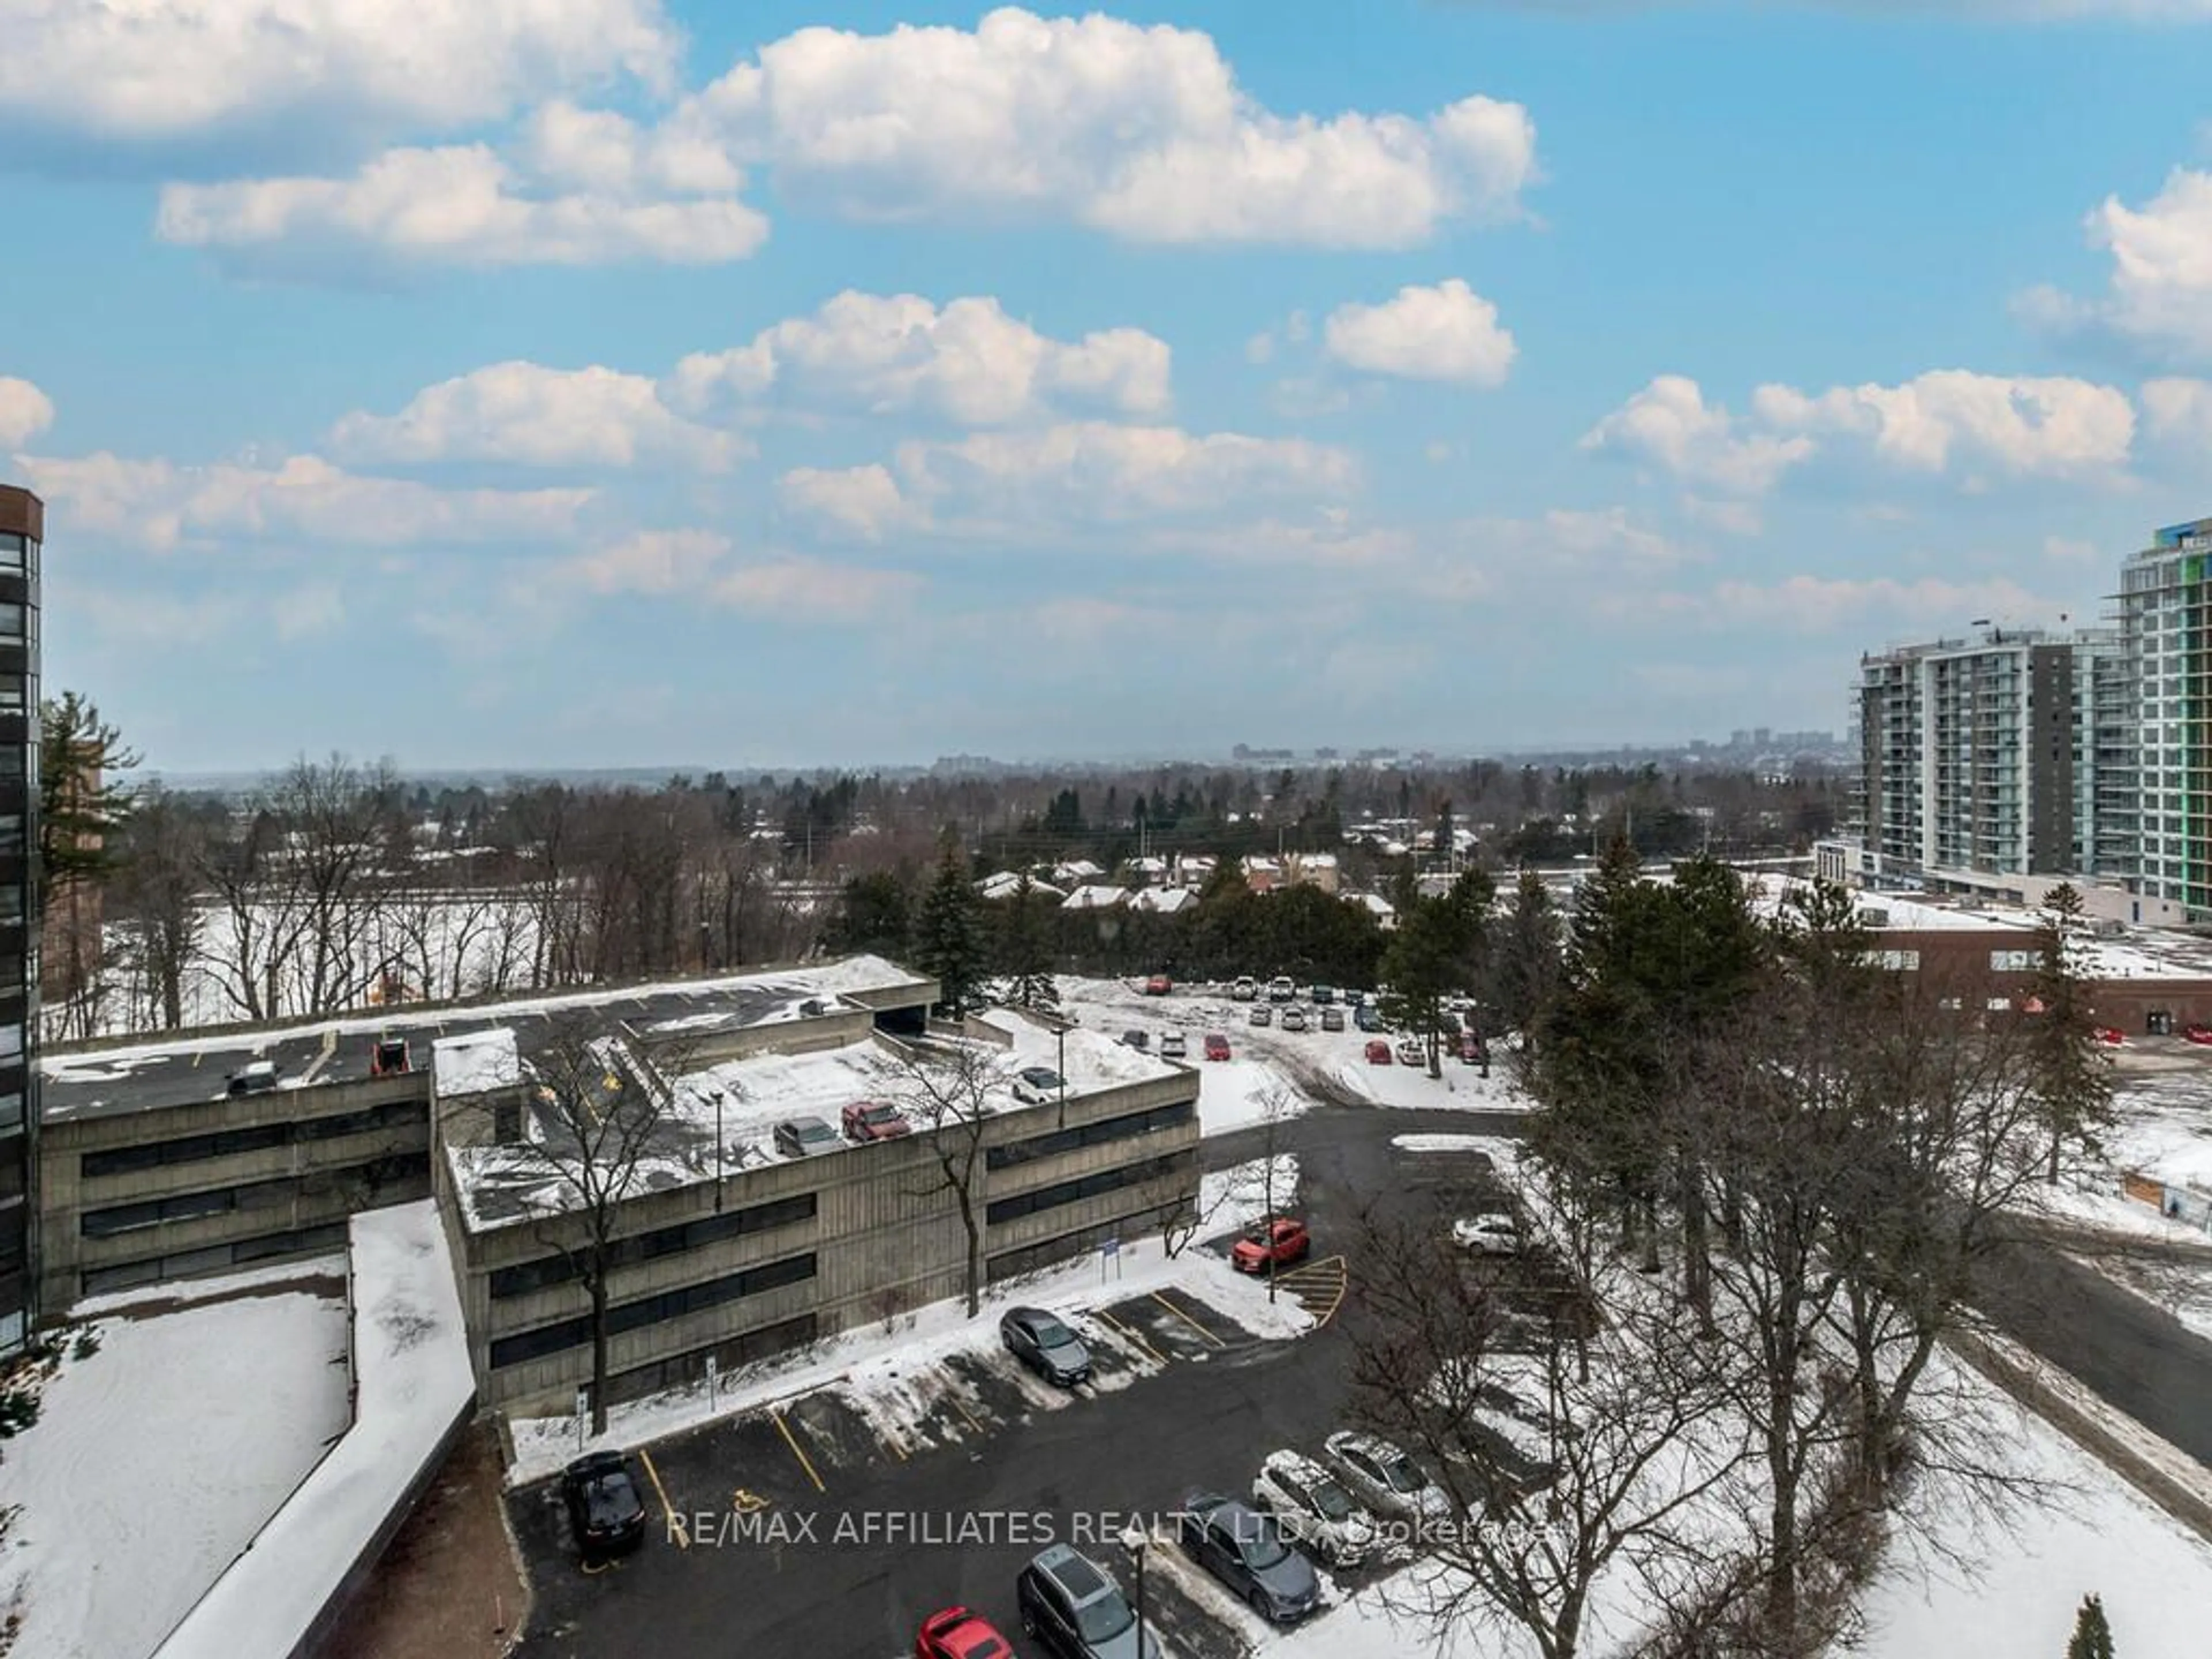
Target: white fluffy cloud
x,y
526,413
1140,131
25,411
461,204
1669,424
1447,332
702,566
1045,480
2017,424
655,562
161,71
158,504
969,362
1940,422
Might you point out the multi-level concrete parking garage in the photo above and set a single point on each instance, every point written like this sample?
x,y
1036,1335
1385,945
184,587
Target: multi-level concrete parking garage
x,y
205,1154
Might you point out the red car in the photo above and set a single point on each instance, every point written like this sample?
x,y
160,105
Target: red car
x,y
2193,1033
1274,1243
1217,1046
871,1119
1378,1052
1159,986
2111,1035
957,1633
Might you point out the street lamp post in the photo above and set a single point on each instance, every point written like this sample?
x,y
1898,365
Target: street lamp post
x,y
1134,1538
1060,1032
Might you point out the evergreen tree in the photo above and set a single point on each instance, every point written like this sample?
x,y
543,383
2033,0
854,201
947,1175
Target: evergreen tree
x,y
1525,964
1025,953
1423,963
2093,1637
83,803
875,915
2072,1075
948,943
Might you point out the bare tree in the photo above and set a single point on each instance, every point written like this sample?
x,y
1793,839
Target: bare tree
x,y
947,1095
158,893
598,1118
1562,1464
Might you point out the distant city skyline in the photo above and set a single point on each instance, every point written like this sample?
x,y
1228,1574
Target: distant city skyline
x,y
596,396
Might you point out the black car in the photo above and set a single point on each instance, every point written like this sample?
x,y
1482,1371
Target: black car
x,y
605,1509
1368,1017
1046,1345
1071,1606
1245,1549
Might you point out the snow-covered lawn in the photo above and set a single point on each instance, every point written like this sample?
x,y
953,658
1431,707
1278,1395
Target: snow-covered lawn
x,y
1231,1199
154,1459
877,1368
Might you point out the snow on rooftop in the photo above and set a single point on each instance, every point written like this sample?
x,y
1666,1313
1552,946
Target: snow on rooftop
x,y
1164,901
475,1063
413,1385
150,1467
1096,898
1094,1060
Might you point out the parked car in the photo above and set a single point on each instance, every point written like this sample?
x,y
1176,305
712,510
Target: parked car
x,y
2194,1033
1245,1549
1263,1014
1472,1050
256,1077
1412,1051
1358,998
872,1120
1159,986
388,1057
1368,1017
1217,1046
1332,1019
1491,1233
1072,1606
1172,1045
605,1513
1134,1038
957,1633
1378,1051
2113,1036
1311,1505
1046,1345
1282,989
805,1137
1294,1019
1273,1244
1323,995
1037,1085
1383,1478
1245,989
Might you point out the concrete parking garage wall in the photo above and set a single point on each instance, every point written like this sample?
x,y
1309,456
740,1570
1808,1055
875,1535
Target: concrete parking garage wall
x,y
309,1185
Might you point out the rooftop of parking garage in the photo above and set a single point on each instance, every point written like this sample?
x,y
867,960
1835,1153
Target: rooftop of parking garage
x,y
109,1077
742,1100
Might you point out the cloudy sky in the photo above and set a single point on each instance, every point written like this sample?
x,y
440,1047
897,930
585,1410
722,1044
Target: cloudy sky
x,y
537,383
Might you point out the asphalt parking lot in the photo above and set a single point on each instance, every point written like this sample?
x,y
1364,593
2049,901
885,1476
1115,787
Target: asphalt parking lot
x,y
833,1523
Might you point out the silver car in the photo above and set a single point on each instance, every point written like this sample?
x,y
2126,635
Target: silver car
x,y
1312,1506
1385,1479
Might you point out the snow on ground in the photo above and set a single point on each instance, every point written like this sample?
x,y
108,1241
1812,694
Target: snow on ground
x,y
881,1368
2101,1537
1231,1199
414,1385
154,1459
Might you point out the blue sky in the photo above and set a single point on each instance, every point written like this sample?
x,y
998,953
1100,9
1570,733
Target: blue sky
x,y
541,383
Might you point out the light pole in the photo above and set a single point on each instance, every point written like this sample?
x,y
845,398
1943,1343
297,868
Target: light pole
x,y
1060,1032
1133,1538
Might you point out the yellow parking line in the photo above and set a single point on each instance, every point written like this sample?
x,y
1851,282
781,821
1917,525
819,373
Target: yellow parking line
x,y
1128,1332
960,1405
792,1441
675,1521
1328,1263
1161,1297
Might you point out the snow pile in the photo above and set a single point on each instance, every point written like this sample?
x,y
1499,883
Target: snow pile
x,y
1231,1199
1239,1094
413,1386
155,1459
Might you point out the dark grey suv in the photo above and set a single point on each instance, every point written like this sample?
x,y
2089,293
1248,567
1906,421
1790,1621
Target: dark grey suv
x,y
1070,1605
1046,1345
1245,1549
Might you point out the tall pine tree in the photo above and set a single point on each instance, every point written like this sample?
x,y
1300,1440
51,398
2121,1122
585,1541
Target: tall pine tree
x,y
2073,1076
1025,951
949,940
